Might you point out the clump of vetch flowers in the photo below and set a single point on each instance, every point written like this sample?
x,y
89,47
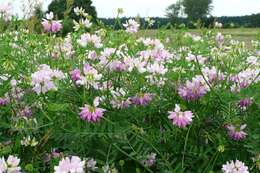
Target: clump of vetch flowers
x,y
179,118
83,22
70,165
194,89
220,39
44,79
212,74
28,141
11,165
119,99
65,47
142,99
150,160
90,76
131,26
92,113
244,79
3,101
86,39
236,133
50,25
245,103
235,167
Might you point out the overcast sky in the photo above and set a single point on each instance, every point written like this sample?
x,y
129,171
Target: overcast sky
x,y
108,8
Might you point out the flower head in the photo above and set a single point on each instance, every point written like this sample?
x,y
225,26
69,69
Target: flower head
x,y
245,103
179,118
235,167
70,165
11,165
131,26
142,99
43,79
50,25
92,113
236,133
150,160
193,89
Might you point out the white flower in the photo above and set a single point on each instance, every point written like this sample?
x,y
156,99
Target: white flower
x,y
80,11
11,165
43,79
70,165
131,26
218,25
87,38
27,141
49,16
235,167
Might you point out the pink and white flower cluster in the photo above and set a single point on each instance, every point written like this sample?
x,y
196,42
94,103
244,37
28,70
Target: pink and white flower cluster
x,y
50,25
244,78
65,48
131,26
70,165
11,165
236,133
194,89
89,78
150,160
86,39
235,167
179,118
44,79
212,74
92,113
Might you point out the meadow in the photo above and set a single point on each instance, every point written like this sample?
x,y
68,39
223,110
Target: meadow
x,y
99,100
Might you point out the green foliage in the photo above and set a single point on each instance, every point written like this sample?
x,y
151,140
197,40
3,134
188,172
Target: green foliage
x,y
194,9
64,8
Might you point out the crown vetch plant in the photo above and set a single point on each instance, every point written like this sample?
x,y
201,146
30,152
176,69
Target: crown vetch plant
x,y
100,100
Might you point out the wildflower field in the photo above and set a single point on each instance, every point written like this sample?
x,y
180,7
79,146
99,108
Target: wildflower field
x,y
100,100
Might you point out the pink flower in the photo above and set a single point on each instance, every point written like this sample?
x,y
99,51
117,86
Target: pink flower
x,y
142,99
3,101
212,74
11,165
235,167
245,103
43,79
86,38
117,66
131,26
26,112
180,119
150,160
75,75
70,165
193,90
236,133
46,25
219,39
50,25
92,113
56,26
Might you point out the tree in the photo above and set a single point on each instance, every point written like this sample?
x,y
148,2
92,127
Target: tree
x,y
175,10
194,9
197,9
64,8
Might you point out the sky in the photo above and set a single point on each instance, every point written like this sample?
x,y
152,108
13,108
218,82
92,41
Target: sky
x,y
152,8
